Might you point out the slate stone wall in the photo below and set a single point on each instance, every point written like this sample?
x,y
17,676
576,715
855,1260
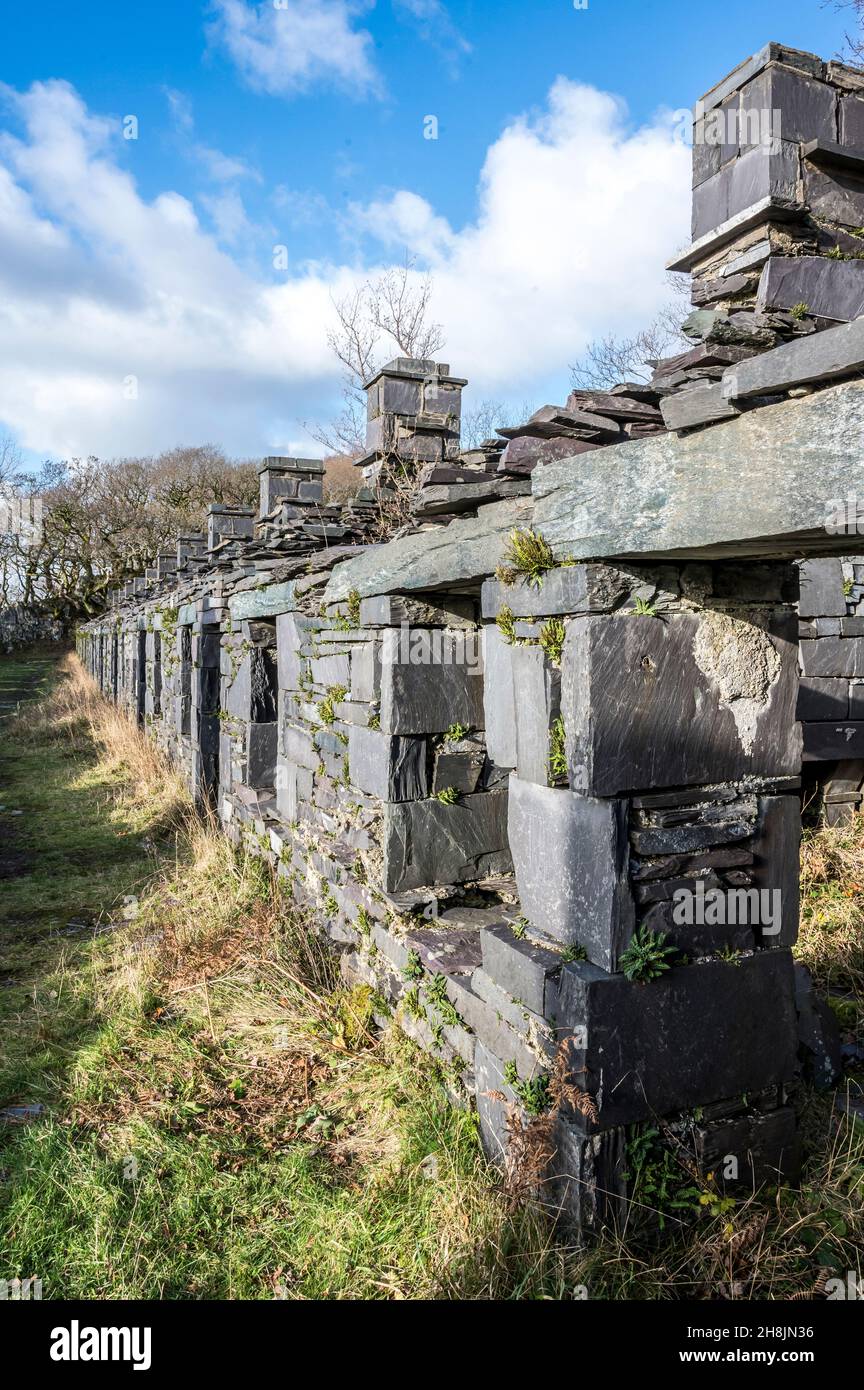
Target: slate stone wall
x,y
480,797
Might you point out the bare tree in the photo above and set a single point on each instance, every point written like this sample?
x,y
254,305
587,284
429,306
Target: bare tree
x,y
387,314
487,416
612,359
853,51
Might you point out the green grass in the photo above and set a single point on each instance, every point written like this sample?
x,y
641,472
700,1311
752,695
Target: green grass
x,y
223,1122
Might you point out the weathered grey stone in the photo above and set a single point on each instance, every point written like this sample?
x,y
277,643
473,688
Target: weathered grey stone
x,y
523,453
298,747
428,842
777,863
698,405
263,685
640,1050
457,768
393,769
332,670
693,698
366,672
430,679
469,548
522,968
261,755
826,742
464,497
833,656
823,697
570,855
537,691
670,494
821,588
499,701
830,289
392,610
446,950
567,589
836,352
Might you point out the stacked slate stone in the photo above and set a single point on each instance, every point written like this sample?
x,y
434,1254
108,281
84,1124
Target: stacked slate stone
x,y
589,420
778,211
611,814
831,693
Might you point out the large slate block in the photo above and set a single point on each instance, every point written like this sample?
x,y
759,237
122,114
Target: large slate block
x,y
292,630
568,589
821,588
777,863
832,656
818,357
522,968
696,1035
499,702
427,842
831,289
694,698
698,405
430,679
393,769
830,742
366,672
570,854
469,548
537,691
261,755
823,698
391,610
673,493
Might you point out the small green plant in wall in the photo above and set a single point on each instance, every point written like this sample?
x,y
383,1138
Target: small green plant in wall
x,y
533,1094
413,967
506,624
353,607
437,991
647,957
645,608
456,732
557,752
448,796
528,557
573,953
326,707
551,639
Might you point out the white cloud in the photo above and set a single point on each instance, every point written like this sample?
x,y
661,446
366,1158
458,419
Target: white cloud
x,y
284,46
576,215
434,25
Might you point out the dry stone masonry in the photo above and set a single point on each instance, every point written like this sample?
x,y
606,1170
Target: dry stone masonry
x,y
533,766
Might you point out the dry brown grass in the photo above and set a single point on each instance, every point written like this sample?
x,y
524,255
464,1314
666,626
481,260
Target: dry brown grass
x,y
831,943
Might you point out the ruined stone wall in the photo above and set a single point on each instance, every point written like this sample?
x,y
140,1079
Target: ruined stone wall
x,y
480,795
550,813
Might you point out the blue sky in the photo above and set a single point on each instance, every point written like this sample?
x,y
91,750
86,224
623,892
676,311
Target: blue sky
x,y
546,207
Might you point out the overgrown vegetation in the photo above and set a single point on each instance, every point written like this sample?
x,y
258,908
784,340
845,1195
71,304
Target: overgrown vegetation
x,y
647,957
528,557
222,1118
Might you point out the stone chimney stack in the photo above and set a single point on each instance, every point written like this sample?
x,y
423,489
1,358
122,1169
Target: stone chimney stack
x,y
228,524
284,479
778,189
413,414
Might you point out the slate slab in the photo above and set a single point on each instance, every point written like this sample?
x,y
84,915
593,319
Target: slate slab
x,y
427,842
641,1048
393,769
499,700
821,588
670,494
693,698
570,854
430,679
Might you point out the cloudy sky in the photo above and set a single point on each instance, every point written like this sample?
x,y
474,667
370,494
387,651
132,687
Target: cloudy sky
x,y
155,158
